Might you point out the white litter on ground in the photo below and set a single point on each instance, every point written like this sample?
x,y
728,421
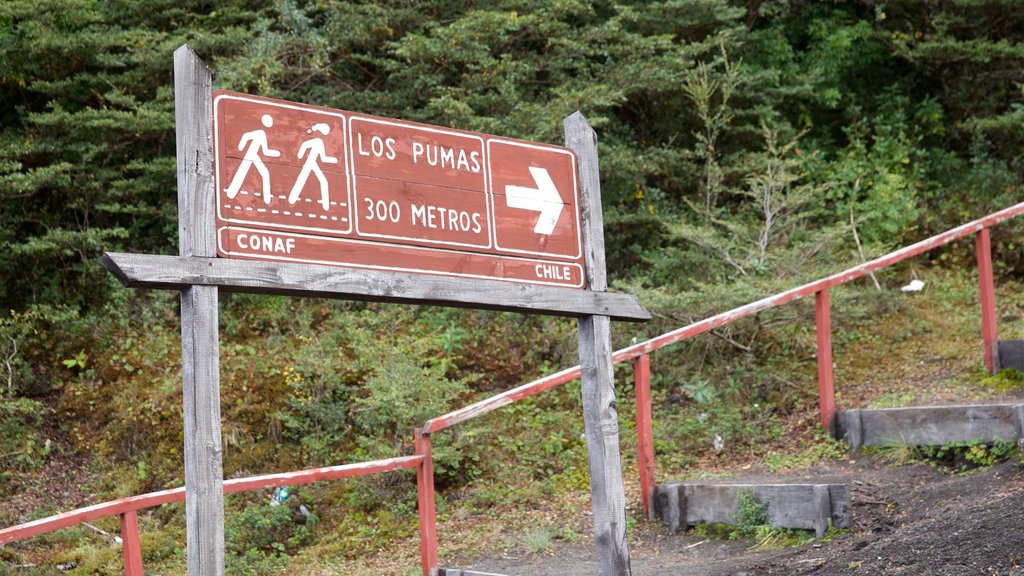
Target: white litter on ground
x,y
914,286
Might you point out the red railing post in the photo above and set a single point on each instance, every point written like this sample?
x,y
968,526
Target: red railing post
x,y
826,388
644,432
132,548
426,504
987,297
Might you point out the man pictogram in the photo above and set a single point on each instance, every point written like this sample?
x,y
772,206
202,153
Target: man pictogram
x,y
255,144
317,153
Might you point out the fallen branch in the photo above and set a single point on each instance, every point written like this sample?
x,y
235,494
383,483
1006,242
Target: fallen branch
x,y
743,347
860,249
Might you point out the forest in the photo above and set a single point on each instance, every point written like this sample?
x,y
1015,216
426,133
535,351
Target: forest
x,y
746,147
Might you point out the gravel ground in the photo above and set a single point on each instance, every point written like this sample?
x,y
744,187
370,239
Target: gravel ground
x,y
907,520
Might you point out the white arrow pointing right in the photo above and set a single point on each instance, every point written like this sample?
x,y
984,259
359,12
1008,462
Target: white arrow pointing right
x,y
544,199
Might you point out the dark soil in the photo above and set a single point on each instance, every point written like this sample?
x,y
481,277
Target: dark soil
x,y
907,520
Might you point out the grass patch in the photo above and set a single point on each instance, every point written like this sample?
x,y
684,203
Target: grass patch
x,y
763,537
958,457
1006,380
894,400
823,448
894,453
540,540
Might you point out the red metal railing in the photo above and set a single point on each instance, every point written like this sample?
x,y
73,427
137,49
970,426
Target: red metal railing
x,y
639,354
127,508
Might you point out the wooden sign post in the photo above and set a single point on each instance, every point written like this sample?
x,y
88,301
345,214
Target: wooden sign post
x,y
200,366
600,418
283,198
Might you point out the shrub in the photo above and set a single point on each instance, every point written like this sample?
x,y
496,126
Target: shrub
x,y
259,538
21,447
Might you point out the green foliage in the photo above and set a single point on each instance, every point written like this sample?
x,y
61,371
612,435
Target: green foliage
x,y
894,107
702,417
86,150
368,381
544,441
752,513
876,180
701,391
959,37
29,357
751,522
21,444
539,540
893,400
823,448
259,538
962,456
1006,380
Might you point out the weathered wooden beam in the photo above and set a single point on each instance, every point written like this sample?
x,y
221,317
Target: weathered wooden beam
x,y
930,425
1008,354
600,418
802,506
200,366
175,273
668,503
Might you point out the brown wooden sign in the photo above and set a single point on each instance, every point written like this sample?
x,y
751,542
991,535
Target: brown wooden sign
x,y
296,186
299,183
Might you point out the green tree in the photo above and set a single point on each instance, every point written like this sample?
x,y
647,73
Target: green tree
x,y
87,145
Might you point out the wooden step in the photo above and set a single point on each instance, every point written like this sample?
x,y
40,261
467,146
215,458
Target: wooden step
x,y
802,506
931,425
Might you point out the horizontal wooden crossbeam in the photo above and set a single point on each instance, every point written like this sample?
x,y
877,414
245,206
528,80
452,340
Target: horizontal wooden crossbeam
x,y
177,272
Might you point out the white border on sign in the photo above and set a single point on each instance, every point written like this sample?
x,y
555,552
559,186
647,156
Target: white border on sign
x,y
216,155
575,192
355,191
279,258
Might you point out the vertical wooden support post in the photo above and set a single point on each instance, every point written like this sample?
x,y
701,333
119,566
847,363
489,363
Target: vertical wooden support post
x,y
600,418
826,388
644,431
132,548
204,476
987,297
426,503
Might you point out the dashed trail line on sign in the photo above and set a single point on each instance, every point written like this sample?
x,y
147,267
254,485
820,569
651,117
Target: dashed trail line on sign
x,y
316,215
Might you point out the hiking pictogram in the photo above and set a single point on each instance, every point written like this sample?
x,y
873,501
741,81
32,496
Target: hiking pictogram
x,y
254,143
316,154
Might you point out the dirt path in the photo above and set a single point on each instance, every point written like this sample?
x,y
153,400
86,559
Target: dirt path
x,y
908,520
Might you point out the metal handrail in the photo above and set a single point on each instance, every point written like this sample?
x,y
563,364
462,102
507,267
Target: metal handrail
x,y
127,508
639,353
647,346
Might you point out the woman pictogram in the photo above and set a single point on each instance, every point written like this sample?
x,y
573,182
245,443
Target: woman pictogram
x,y
256,141
317,153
